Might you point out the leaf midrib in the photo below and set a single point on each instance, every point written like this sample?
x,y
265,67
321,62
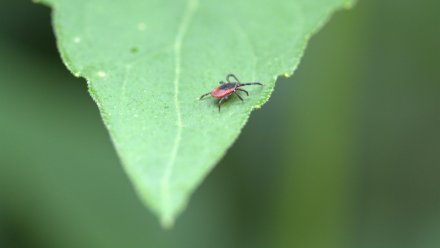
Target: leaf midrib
x,y
190,9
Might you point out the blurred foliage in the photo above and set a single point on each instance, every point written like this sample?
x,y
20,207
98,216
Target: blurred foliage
x,y
346,153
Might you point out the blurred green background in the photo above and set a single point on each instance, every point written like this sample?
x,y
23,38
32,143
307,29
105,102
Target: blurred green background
x,y
345,154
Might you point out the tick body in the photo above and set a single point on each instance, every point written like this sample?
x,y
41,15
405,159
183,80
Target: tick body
x,y
228,88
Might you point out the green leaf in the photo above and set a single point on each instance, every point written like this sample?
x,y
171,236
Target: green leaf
x,y
148,62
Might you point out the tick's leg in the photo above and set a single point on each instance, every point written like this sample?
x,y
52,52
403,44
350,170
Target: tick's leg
x,y
221,82
245,91
220,103
255,83
204,95
233,76
238,96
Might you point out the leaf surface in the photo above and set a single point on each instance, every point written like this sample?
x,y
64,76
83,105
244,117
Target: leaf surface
x,y
148,62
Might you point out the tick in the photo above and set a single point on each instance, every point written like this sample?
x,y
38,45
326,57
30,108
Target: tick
x,y
225,90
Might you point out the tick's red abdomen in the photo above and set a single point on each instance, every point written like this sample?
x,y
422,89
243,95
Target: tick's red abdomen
x,y
223,90
220,93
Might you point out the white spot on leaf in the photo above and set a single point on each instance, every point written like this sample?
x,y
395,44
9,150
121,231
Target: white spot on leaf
x,y
101,74
141,26
77,39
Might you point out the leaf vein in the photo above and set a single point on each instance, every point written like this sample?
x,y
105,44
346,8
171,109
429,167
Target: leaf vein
x,y
190,9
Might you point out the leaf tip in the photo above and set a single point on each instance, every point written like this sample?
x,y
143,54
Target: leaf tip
x,y
167,222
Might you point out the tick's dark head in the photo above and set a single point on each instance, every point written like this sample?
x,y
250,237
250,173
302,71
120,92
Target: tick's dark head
x,y
228,86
